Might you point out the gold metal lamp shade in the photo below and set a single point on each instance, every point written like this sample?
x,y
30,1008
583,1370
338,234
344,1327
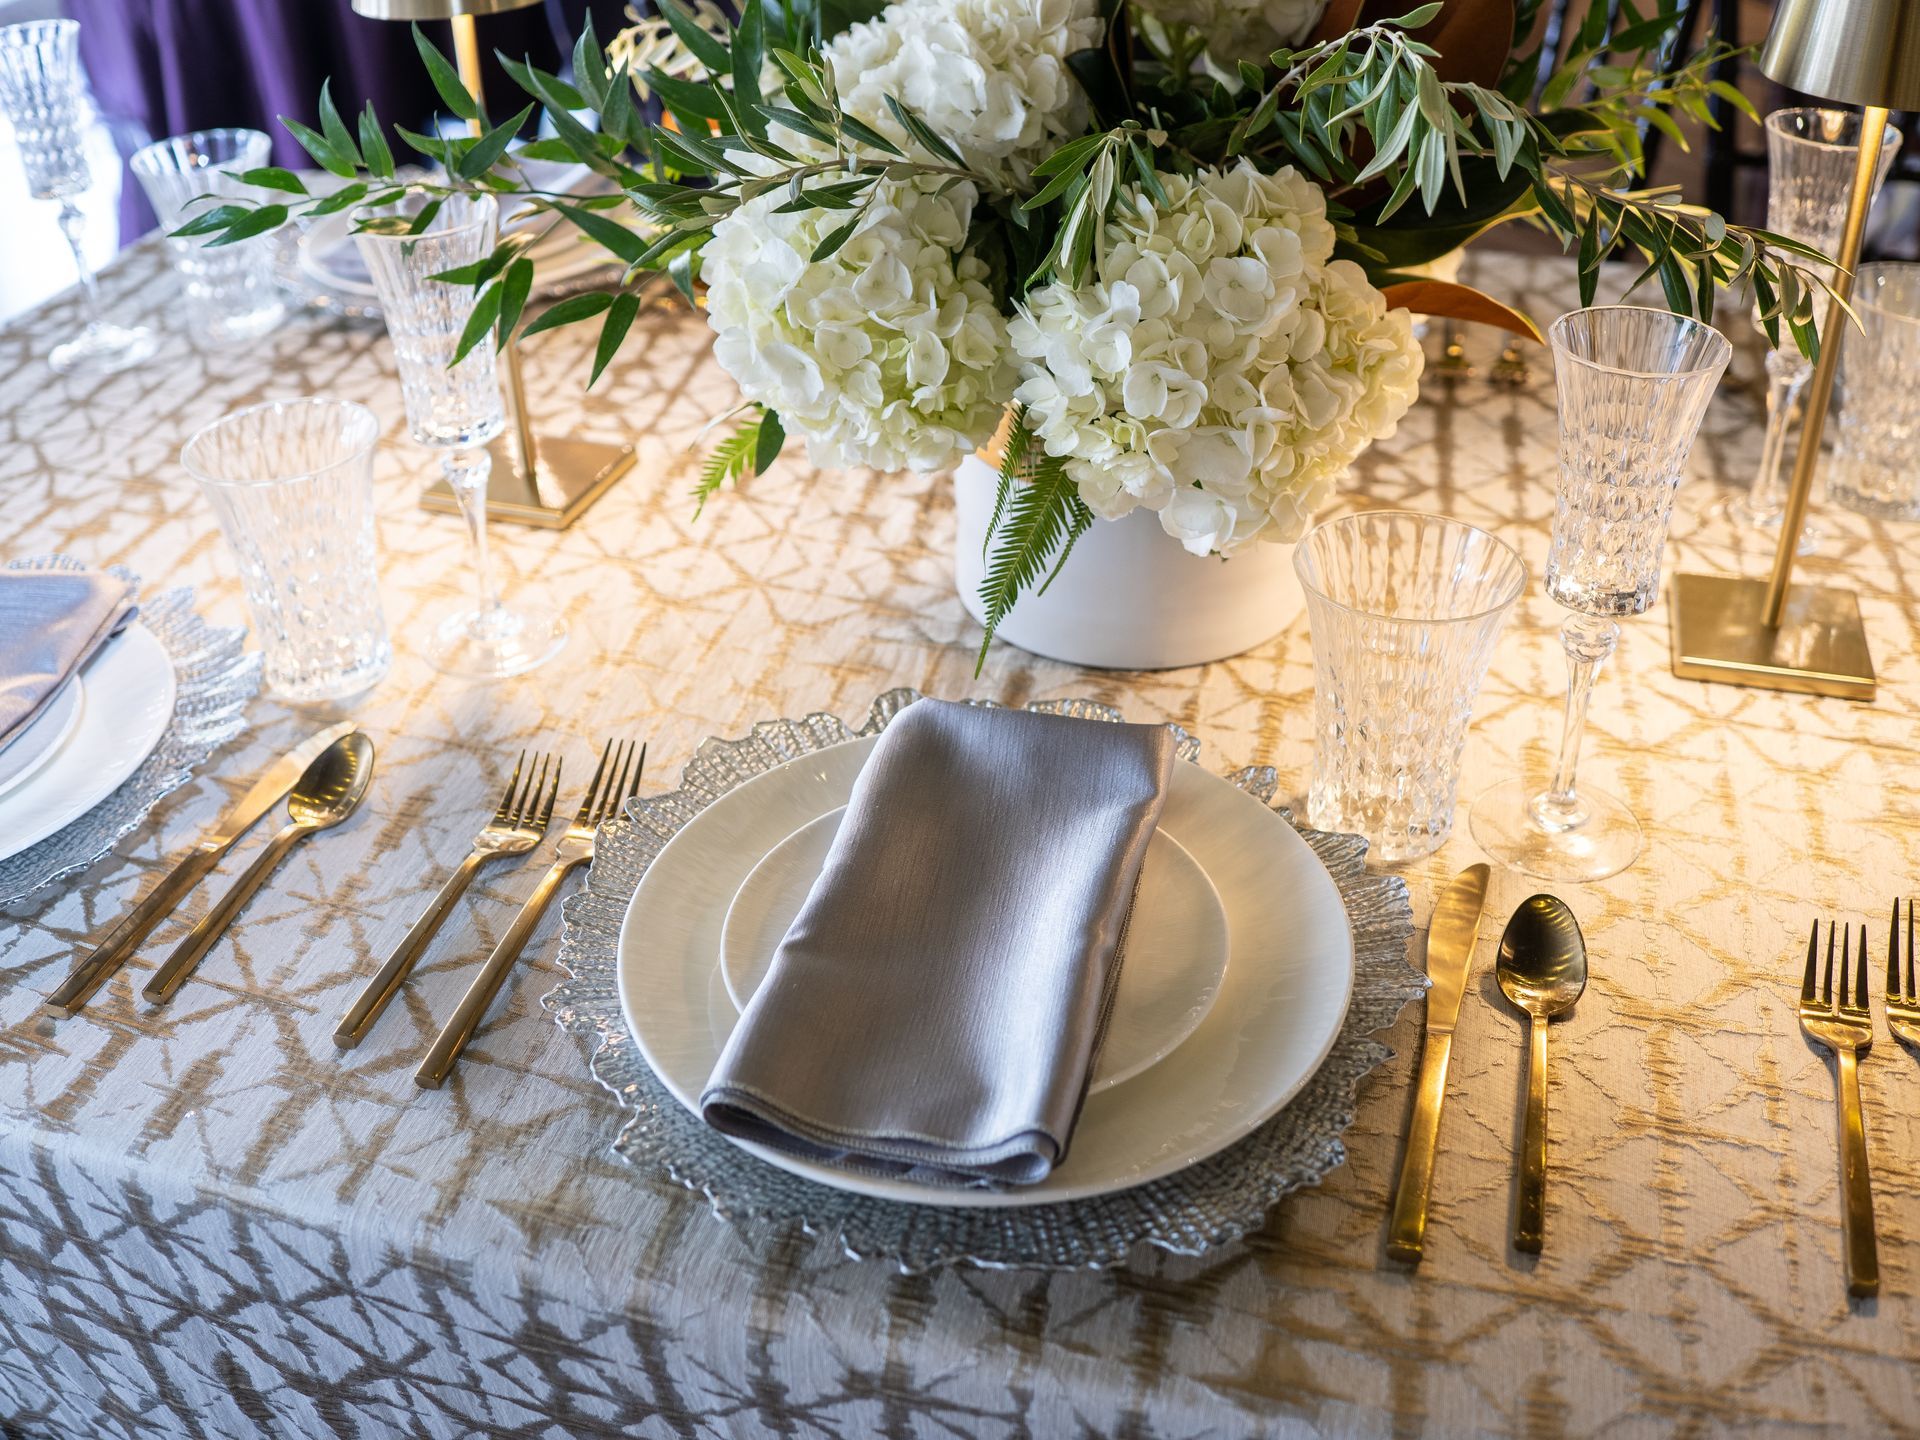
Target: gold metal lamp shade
x,y
1776,635
549,481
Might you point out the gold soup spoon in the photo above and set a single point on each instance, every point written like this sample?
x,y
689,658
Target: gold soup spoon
x,y
327,792
1542,968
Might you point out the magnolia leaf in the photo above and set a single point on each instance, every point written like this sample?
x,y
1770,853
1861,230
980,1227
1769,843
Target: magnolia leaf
x,y
1458,302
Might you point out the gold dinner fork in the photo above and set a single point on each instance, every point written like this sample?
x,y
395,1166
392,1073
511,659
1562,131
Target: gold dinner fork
x,y
1845,1027
621,772
1903,1007
517,826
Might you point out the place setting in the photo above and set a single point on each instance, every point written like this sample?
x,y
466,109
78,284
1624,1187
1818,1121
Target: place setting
x,y
1137,775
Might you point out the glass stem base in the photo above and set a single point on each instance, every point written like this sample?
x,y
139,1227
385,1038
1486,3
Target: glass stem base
x,y
1527,829
496,642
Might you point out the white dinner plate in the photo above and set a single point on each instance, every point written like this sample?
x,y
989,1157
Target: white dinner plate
x,y
130,693
1172,964
1278,1013
43,738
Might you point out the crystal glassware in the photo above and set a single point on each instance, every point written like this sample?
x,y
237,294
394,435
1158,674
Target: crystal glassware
x,y
231,291
1404,610
1876,433
40,93
455,409
1810,162
1633,385
292,483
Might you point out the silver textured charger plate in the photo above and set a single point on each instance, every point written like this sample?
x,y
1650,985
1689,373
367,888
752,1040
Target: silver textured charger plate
x,y
215,679
1211,1203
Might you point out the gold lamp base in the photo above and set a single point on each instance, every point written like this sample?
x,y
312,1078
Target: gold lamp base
x,y
568,477
1819,648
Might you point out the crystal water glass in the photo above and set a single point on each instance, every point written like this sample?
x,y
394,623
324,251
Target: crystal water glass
x,y
292,483
1404,610
1633,385
40,93
455,409
1875,465
230,290
1810,163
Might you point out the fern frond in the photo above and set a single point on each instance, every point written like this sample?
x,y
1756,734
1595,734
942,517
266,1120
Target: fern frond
x,y
732,458
1012,458
1044,517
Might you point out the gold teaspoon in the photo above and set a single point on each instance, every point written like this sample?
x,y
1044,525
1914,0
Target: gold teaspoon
x,y
1542,968
327,792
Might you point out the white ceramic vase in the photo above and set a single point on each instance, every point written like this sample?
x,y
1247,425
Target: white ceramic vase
x,y
1130,597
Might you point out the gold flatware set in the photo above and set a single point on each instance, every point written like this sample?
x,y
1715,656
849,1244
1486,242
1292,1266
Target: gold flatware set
x,y
323,780
1542,970
1838,1017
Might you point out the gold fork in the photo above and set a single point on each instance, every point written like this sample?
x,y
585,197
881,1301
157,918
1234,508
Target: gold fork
x,y
621,772
1903,1009
1845,1027
517,826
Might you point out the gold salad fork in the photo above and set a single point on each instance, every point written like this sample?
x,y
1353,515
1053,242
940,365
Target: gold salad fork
x,y
517,826
1845,1026
620,771
1903,1005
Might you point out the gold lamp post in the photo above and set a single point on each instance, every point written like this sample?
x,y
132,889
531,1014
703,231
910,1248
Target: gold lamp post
x,y
546,481
1774,634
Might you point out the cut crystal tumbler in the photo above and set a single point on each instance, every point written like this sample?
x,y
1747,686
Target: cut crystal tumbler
x,y
1404,609
1875,466
1633,386
292,483
455,409
231,291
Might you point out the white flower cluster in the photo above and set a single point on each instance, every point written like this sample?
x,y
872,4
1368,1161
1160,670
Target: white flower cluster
x,y
1217,366
1241,29
988,76
889,353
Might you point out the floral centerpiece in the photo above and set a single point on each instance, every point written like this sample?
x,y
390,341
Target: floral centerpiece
x,y
1156,253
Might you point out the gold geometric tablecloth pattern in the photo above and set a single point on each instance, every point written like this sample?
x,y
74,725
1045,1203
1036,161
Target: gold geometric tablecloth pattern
x,y
211,1223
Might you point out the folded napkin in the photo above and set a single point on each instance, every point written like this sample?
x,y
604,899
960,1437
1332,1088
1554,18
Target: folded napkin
x,y
51,623
934,1012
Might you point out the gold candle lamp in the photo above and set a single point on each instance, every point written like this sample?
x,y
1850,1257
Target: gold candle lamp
x,y
1772,633
545,481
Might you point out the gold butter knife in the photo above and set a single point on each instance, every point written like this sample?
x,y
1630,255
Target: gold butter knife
x,y
112,952
1451,935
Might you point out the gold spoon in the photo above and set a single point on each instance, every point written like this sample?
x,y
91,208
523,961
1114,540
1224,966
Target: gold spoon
x,y
1542,968
326,793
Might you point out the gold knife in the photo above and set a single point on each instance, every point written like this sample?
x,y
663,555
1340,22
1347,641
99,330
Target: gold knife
x,y
94,971
1451,935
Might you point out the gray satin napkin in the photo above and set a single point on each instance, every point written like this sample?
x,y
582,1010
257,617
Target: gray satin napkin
x,y
934,1012
51,623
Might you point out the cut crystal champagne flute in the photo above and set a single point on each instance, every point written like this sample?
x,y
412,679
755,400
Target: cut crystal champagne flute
x,y
455,409
1810,155
1633,385
41,95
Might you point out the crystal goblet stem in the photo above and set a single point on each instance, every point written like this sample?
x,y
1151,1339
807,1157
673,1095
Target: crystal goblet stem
x,y
1589,641
467,472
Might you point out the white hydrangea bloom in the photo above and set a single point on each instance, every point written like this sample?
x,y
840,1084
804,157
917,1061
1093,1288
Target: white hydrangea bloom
x,y
989,76
1241,29
889,353
1218,366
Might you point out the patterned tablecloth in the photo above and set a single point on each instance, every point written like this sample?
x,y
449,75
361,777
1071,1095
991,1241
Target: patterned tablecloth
x,y
213,1224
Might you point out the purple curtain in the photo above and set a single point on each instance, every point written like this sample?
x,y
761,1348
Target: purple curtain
x,y
163,67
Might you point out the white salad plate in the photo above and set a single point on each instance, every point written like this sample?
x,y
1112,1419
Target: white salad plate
x,y
1173,961
1279,1008
129,702
43,738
